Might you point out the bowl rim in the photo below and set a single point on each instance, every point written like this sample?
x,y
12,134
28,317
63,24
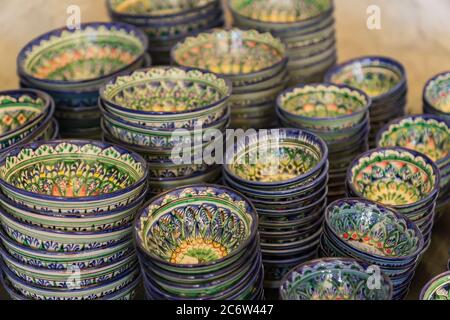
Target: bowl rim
x,y
213,33
79,142
325,85
109,103
368,60
425,117
409,224
428,84
288,132
253,227
414,153
137,33
427,286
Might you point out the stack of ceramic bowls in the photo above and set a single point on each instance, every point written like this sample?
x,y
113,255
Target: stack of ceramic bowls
x,y
71,65
200,242
377,235
334,279
284,173
306,28
66,214
436,95
403,179
25,116
167,22
437,288
383,79
254,62
338,114
428,134
170,116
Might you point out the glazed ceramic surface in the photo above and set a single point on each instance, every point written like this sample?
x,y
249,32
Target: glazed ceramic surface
x,y
156,8
393,176
438,288
333,279
437,92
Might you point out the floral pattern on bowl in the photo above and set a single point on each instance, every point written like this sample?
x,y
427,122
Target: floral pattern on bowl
x,y
438,288
333,279
437,92
156,8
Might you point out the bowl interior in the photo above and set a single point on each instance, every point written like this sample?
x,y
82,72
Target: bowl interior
x,y
393,177
438,288
156,8
70,170
437,92
195,225
16,111
372,229
85,54
374,77
322,101
168,90
230,52
427,136
274,11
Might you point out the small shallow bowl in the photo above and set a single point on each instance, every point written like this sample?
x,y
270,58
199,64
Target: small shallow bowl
x,y
378,77
436,94
324,106
398,177
72,176
282,157
437,288
81,58
241,56
333,279
166,230
167,97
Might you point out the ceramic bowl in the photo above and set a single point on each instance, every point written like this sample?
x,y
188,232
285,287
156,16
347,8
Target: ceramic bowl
x,y
333,279
437,288
242,56
324,106
282,157
436,95
402,178
167,97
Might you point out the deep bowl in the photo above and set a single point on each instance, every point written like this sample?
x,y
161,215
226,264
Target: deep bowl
x,y
437,288
324,106
378,77
72,176
398,177
436,93
333,279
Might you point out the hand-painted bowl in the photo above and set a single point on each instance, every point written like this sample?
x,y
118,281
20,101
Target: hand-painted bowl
x,y
21,113
398,177
333,279
370,229
195,228
324,106
281,157
436,94
81,58
167,97
241,56
72,176
378,77
437,288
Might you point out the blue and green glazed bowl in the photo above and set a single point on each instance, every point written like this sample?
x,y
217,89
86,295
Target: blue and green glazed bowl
x,y
436,95
333,279
437,288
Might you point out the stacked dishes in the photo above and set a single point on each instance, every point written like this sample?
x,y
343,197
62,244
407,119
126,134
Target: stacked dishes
x,y
338,114
26,116
284,173
383,79
66,214
200,242
306,28
403,179
429,135
170,116
333,279
167,22
437,288
254,62
379,236
71,65
436,95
